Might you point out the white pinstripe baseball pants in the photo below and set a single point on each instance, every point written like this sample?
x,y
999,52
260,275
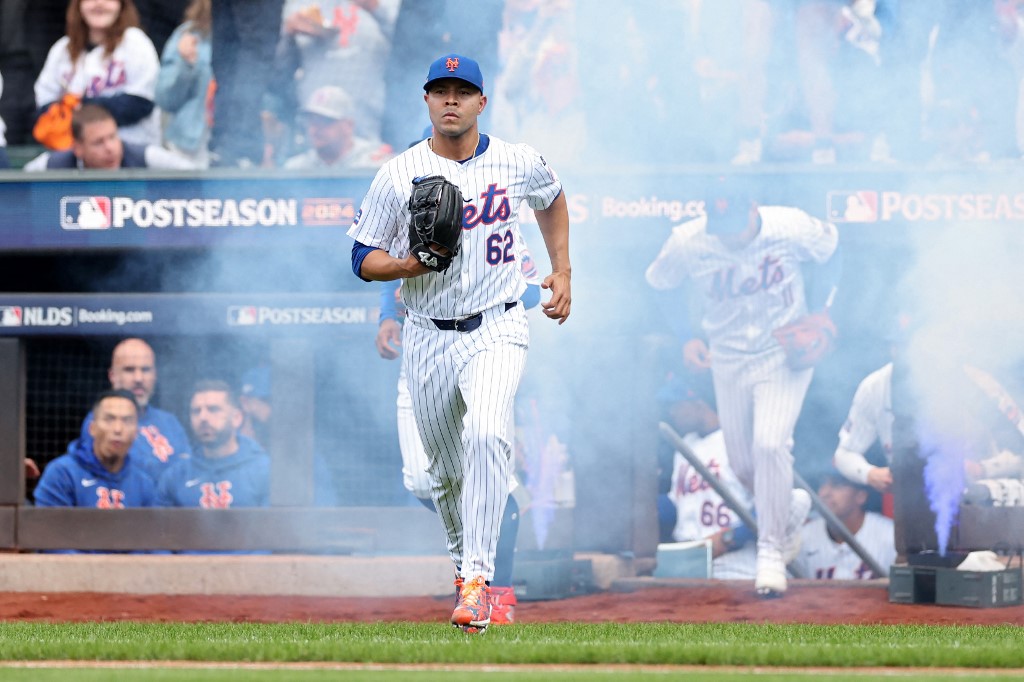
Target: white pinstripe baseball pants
x,y
463,388
759,401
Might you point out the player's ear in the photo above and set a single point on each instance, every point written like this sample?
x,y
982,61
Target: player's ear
x,y
483,103
237,417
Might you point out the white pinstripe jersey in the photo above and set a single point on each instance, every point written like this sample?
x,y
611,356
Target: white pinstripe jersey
x,y
132,69
494,185
822,558
748,292
700,511
870,417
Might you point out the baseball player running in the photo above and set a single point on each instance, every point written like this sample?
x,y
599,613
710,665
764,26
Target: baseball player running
x,y
745,262
466,336
415,463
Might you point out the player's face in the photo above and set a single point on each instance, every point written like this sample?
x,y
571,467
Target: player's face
x,y
133,368
214,419
100,146
113,429
100,14
842,500
454,106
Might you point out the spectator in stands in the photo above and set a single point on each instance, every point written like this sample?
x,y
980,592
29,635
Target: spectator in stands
x,y
537,92
256,402
344,43
834,49
226,470
183,90
27,30
826,556
245,34
98,145
330,133
162,440
159,18
98,469
106,59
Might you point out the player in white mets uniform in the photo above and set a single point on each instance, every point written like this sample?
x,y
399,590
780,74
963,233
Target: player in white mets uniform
x,y
745,262
700,511
466,336
416,464
108,60
824,556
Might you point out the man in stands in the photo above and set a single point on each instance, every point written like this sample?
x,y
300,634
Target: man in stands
x,y
98,145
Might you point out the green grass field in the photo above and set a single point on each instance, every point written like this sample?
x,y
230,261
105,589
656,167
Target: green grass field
x,y
385,650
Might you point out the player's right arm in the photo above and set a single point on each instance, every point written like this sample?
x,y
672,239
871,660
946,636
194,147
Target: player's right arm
x,y
858,433
375,229
376,265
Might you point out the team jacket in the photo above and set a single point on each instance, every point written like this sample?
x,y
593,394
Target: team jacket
x,y
77,479
161,440
238,480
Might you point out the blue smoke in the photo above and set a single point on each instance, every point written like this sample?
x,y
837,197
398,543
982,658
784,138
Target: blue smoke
x,y
943,477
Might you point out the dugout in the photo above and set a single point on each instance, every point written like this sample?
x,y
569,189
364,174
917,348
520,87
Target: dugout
x,y
203,254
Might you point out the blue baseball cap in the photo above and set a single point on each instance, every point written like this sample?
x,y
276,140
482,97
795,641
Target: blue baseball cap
x,y
455,66
256,382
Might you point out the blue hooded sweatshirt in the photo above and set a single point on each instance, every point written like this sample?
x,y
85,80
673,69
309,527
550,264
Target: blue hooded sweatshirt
x,y
161,440
241,479
77,479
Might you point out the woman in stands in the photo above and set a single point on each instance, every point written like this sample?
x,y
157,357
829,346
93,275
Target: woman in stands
x,y
105,58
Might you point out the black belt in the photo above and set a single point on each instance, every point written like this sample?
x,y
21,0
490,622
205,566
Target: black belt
x,y
466,324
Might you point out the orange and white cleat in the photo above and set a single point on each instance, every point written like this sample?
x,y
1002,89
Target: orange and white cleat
x,y
473,612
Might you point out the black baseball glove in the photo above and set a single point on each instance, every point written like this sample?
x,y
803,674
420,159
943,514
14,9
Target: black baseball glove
x,y
435,228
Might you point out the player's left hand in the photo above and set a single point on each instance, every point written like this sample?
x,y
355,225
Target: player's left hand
x,y
389,338
557,308
31,469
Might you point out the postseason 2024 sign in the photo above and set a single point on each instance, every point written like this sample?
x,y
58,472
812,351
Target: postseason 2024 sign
x,y
154,210
134,210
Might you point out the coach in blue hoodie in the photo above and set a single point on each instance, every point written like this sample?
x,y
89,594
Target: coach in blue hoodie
x,y
97,471
161,437
225,470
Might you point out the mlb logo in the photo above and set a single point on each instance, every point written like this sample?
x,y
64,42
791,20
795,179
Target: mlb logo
x,y
10,316
853,207
85,213
239,315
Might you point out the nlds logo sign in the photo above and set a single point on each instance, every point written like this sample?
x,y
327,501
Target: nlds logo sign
x,y
85,213
10,316
36,316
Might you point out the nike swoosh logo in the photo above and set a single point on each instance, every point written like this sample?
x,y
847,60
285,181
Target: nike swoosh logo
x,y
191,484
88,482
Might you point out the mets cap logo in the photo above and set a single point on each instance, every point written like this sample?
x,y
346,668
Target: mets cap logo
x,y
452,63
